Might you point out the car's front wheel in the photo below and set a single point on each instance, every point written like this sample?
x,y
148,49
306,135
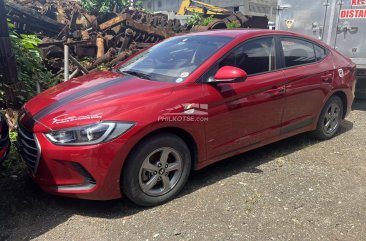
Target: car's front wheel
x,y
156,170
330,119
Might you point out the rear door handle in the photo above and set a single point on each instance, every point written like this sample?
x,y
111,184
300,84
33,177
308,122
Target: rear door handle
x,y
327,77
275,91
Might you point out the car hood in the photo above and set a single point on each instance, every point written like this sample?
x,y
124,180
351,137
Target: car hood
x,y
90,98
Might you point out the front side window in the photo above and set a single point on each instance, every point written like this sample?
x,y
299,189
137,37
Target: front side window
x,y
297,52
254,57
175,59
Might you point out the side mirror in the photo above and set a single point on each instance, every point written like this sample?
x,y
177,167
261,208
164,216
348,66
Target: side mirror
x,y
230,74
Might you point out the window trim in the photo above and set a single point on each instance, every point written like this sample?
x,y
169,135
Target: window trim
x,y
325,54
278,58
283,65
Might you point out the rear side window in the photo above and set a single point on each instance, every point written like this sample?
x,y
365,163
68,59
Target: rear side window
x,y
255,57
297,52
320,52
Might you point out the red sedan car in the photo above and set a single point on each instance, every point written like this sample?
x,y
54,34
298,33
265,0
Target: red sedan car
x,y
189,101
4,138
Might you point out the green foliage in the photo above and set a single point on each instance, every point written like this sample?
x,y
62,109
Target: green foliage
x,y
86,61
207,21
234,24
10,24
103,67
195,20
12,164
102,6
29,65
138,4
198,19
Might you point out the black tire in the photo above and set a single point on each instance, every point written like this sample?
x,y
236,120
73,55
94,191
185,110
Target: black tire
x,y
330,119
135,177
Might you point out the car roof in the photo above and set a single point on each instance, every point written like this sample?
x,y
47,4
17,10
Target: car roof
x,y
243,32
249,33
234,33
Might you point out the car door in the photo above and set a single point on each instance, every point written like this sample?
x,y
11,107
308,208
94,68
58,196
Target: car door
x,y
309,72
246,113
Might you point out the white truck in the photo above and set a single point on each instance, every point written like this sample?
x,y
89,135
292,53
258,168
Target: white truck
x,y
339,23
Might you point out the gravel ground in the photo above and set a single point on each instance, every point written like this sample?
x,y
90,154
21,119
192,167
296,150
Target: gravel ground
x,y
296,189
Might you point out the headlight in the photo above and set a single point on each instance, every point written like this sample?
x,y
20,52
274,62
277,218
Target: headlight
x,y
88,135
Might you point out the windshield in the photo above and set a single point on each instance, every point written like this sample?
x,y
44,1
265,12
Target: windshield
x,y
175,59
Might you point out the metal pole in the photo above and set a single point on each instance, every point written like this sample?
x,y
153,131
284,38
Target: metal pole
x,y
278,18
331,21
38,87
325,19
336,27
66,62
280,8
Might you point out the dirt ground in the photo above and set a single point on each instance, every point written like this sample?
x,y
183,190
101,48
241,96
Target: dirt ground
x,y
296,189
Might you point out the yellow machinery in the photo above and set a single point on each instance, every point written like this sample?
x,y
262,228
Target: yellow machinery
x,y
222,16
192,6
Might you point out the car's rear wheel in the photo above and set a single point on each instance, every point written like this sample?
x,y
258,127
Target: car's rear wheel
x,y
156,170
330,119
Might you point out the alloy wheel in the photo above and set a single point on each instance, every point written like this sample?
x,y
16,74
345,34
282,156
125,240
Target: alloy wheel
x,y
331,118
160,171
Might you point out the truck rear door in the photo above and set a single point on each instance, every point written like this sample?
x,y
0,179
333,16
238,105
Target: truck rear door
x,y
305,17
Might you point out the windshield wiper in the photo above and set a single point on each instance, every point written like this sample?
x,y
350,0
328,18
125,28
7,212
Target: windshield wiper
x,y
136,73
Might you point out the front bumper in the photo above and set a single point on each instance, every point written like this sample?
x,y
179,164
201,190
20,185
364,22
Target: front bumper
x,y
87,172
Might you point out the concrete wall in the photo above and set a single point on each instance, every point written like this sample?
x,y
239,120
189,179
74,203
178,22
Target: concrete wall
x,y
262,7
226,3
162,5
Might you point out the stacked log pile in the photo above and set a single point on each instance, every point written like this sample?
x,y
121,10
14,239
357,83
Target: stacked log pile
x,y
96,40
93,40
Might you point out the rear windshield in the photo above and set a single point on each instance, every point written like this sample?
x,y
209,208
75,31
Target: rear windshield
x,y
175,59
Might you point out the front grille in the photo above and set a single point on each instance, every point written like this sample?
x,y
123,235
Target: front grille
x,y
28,148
